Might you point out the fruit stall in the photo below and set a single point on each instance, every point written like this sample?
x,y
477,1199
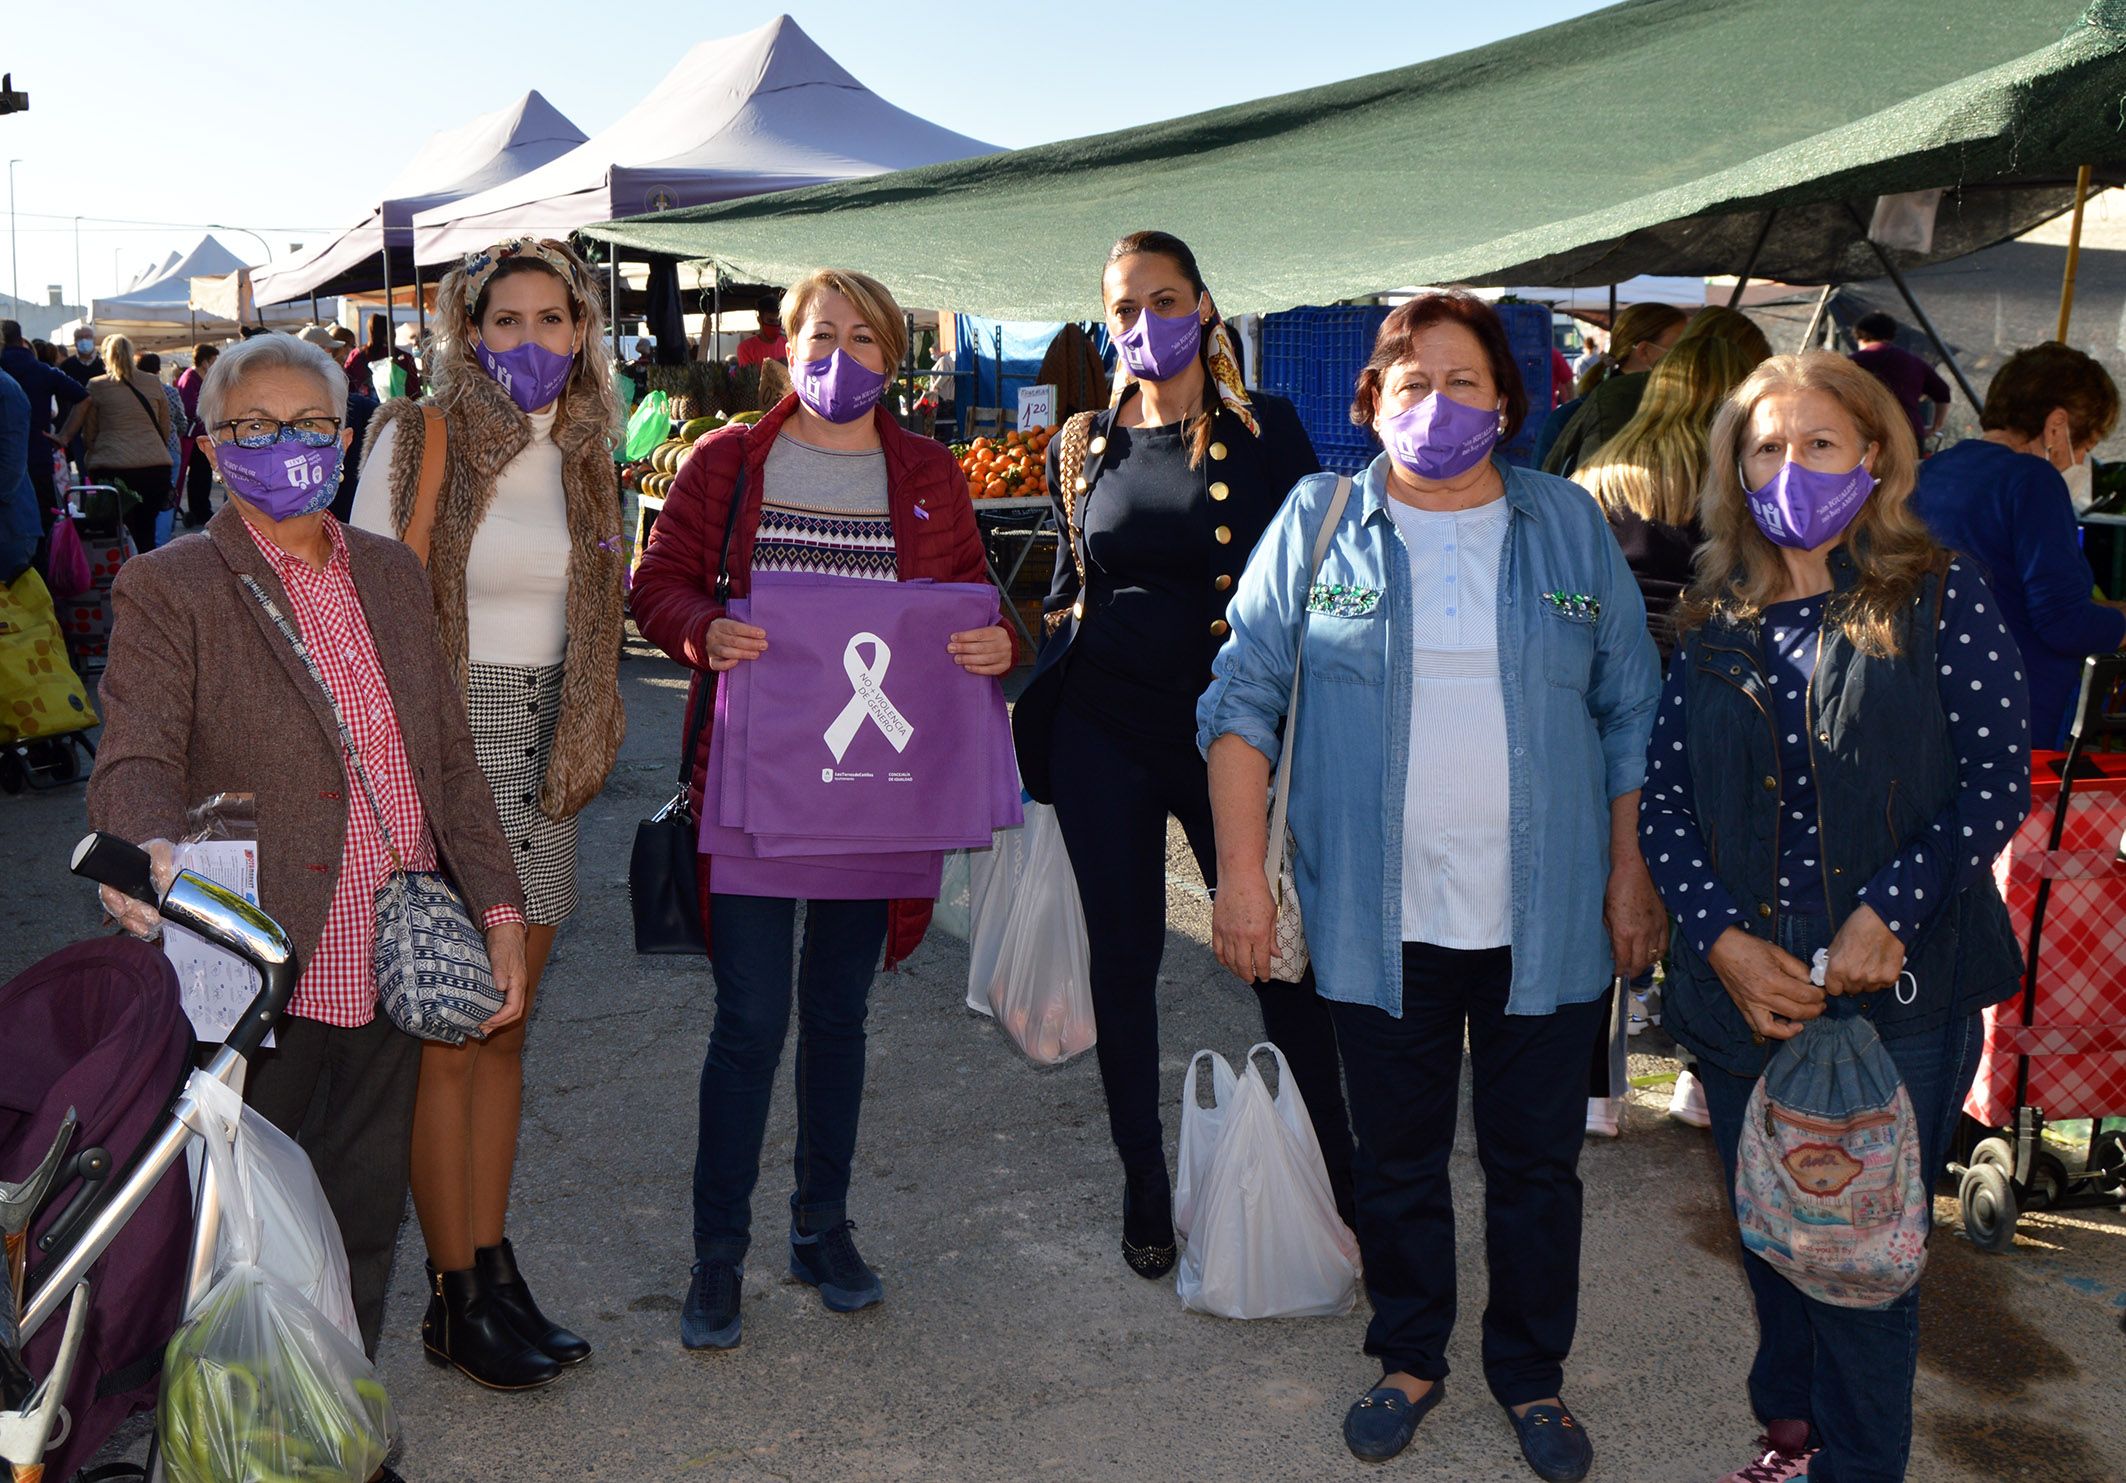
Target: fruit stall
x,y
1007,479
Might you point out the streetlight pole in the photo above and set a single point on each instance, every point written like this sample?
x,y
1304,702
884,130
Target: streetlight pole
x,y
79,287
14,264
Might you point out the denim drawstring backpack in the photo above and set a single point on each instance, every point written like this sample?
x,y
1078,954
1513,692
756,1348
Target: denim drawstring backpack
x,y
1828,1186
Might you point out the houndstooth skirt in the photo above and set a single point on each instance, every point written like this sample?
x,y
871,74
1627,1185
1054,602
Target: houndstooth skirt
x,y
513,709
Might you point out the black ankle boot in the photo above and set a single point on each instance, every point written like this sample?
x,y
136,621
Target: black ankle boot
x,y
1148,1224
507,1292
465,1329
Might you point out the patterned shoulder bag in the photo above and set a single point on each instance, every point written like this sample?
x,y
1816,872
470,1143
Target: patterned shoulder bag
x,y
1288,953
433,979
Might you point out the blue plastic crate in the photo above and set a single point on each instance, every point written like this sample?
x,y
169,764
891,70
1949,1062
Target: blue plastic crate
x,y
1529,335
1312,356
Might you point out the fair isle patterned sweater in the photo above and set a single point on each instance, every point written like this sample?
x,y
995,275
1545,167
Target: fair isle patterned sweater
x,y
824,511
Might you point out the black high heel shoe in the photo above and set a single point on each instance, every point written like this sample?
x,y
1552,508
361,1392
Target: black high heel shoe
x,y
1148,1224
509,1295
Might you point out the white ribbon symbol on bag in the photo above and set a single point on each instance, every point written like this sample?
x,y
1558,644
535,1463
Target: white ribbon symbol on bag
x,y
869,700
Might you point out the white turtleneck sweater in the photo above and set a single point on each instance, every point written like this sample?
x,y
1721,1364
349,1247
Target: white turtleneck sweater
x,y
516,578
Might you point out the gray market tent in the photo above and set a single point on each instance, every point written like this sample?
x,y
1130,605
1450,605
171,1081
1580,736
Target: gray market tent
x,y
199,294
1658,136
764,111
170,290
477,156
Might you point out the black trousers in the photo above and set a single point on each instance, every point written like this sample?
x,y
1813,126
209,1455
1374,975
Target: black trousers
x,y
346,1095
1112,798
1530,1109
199,484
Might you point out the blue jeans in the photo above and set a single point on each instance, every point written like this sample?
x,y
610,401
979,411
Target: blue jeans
x,y
750,938
1846,1371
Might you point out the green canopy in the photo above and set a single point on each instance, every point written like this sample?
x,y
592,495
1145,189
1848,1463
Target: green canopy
x,y
1651,137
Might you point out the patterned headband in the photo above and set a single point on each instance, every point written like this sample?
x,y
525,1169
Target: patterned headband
x,y
480,266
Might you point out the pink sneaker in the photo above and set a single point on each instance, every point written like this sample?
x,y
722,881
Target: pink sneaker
x,y
1783,1455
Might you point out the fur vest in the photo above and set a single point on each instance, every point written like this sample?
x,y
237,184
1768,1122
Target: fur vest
x,y
487,431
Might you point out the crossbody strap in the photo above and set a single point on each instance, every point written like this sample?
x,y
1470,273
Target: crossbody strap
x,y
354,757
1281,795
1070,467
154,422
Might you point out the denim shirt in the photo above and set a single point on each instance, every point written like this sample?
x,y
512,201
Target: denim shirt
x,y
1581,683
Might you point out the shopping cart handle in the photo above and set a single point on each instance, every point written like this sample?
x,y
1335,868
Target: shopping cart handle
x,y
118,863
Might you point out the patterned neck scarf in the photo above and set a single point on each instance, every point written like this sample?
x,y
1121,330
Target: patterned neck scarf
x,y
1224,364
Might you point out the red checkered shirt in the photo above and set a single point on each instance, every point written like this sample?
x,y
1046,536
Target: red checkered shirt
x,y
337,986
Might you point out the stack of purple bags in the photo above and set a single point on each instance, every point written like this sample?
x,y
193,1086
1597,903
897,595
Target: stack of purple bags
x,y
851,756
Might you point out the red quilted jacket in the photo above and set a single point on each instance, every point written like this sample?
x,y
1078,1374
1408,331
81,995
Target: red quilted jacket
x,y
674,592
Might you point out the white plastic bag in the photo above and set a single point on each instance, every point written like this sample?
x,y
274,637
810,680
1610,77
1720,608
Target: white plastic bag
x,y
1041,987
1258,1224
992,881
259,1382
953,914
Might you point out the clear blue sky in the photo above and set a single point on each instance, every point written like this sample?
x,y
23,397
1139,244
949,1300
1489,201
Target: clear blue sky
x,y
201,110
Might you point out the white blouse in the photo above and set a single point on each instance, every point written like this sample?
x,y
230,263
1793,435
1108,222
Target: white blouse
x,y
1457,869
516,577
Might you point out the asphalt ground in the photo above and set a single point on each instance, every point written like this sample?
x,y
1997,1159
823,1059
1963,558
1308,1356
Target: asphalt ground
x,y
1013,1343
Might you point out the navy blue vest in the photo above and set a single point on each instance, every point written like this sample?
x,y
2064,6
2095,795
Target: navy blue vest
x,y
1884,766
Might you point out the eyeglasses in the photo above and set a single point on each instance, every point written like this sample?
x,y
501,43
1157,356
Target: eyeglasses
x,y
264,432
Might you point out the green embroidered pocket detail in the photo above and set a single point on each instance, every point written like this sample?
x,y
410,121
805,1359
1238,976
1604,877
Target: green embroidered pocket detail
x,y
1576,606
1342,600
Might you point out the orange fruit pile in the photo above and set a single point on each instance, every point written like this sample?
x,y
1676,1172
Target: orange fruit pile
x,y
1011,467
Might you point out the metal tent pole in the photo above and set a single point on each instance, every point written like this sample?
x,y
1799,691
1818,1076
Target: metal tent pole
x,y
1919,315
1734,300
2074,252
1823,306
612,294
420,304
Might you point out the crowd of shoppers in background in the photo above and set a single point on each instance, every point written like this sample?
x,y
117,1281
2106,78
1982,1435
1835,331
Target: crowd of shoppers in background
x,y
1500,808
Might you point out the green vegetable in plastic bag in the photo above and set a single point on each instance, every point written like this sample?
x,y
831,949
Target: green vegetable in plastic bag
x,y
257,1385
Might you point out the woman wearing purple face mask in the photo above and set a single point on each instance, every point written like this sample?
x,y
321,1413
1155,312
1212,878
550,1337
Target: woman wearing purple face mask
x,y
1842,749
1160,497
825,483
204,696
1475,694
521,537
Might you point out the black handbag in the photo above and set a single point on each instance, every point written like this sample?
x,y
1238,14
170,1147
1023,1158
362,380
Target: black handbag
x,y
663,876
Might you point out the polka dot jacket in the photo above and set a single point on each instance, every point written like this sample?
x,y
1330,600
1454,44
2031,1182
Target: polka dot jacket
x,y
1984,700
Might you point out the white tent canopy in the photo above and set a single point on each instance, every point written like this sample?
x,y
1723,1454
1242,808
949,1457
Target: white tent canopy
x,y
477,156
740,116
171,288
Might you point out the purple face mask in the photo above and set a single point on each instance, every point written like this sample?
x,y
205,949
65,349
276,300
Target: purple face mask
x,y
839,388
1441,438
281,480
1803,508
531,374
1159,347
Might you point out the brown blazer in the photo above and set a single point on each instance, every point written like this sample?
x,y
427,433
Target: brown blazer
x,y
202,695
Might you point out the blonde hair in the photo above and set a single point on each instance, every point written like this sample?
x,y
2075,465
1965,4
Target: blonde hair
x,y
1739,571
117,353
1635,322
451,360
1718,322
1653,467
880,310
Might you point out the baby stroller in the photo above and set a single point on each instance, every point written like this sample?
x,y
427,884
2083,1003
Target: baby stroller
x,y
95,1232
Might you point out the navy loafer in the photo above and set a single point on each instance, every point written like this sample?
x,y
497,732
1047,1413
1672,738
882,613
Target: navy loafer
x,y
1554,1442
1381,1422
